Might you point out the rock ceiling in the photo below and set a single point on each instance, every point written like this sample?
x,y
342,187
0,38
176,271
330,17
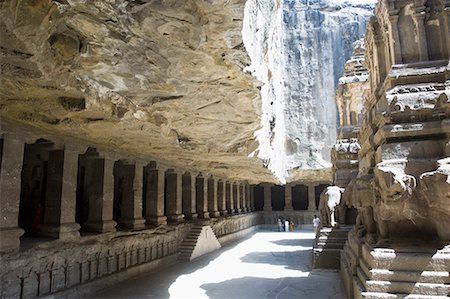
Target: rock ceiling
x,y
161,79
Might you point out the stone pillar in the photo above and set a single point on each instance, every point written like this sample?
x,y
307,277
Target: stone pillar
x,y
221,198
99,182
288,197
237,197
154,199
394,43
132,199
229,197
243,188
188,196
201,186
312,197
11,159
212,197
267,198
421,34
173,196
60,200
252,197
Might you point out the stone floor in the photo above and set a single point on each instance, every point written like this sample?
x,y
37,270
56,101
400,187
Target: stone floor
x,y
266,265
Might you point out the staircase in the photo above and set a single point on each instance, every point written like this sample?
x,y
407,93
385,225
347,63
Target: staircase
x,y
328,244
200,240
399,272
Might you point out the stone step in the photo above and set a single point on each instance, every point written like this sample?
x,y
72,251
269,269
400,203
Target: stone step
x,y
377,295
329,246
390,259
402,287
407,276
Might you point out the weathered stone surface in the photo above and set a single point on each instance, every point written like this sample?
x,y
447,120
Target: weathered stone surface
x,y
154,78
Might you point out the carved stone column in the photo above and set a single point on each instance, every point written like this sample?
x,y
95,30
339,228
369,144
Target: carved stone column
x,y
11,159
212,197
229,197
394,40
173,196
288,197
221,198
60,200
267,198
419,18
188,197
311,198
154,197
243,197
237,198
202,196
252,197
99,184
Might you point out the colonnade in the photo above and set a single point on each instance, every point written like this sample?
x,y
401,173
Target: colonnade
x,y
81,188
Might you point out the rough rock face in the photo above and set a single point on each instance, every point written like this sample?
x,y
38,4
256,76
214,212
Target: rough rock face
x,y
403,185
298,49
156,78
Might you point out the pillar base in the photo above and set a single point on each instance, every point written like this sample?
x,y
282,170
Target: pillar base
x,y
10,238
237,211
223,213
100,226
64,231
214,214
135,224
191,216
177,218
157,220
231,212
203,215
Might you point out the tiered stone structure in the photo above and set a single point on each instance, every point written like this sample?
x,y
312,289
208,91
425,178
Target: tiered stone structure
x,y
401,191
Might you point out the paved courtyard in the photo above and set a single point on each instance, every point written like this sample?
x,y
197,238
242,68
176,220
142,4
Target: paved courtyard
x,y
266,265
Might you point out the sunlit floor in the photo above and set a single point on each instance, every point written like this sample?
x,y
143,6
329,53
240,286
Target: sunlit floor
x,y
267,265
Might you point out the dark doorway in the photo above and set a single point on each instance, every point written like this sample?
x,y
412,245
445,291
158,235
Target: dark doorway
x,y
259,197
33,186
300,197
277,198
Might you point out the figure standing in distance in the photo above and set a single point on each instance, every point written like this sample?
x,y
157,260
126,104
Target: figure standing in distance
x,y
286,225
280,225
292,226
316,223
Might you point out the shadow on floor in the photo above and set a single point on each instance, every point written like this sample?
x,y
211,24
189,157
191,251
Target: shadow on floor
x,y
295,242
282,258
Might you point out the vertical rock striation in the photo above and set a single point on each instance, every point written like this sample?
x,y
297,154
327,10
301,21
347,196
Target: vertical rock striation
x,y
298,49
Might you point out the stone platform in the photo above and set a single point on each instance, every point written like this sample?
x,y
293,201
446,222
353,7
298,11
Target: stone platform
x,y
397,271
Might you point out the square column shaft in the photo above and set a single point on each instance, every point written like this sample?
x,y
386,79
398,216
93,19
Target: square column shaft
x,y
236,198
201,187
189,196
267,198
174,196
221,198
154,197
11,159
288,197
229,197
99,184
60,201
311,198
212,198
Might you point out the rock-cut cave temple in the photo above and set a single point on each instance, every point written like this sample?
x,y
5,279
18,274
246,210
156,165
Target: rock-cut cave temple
x,y
140,134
